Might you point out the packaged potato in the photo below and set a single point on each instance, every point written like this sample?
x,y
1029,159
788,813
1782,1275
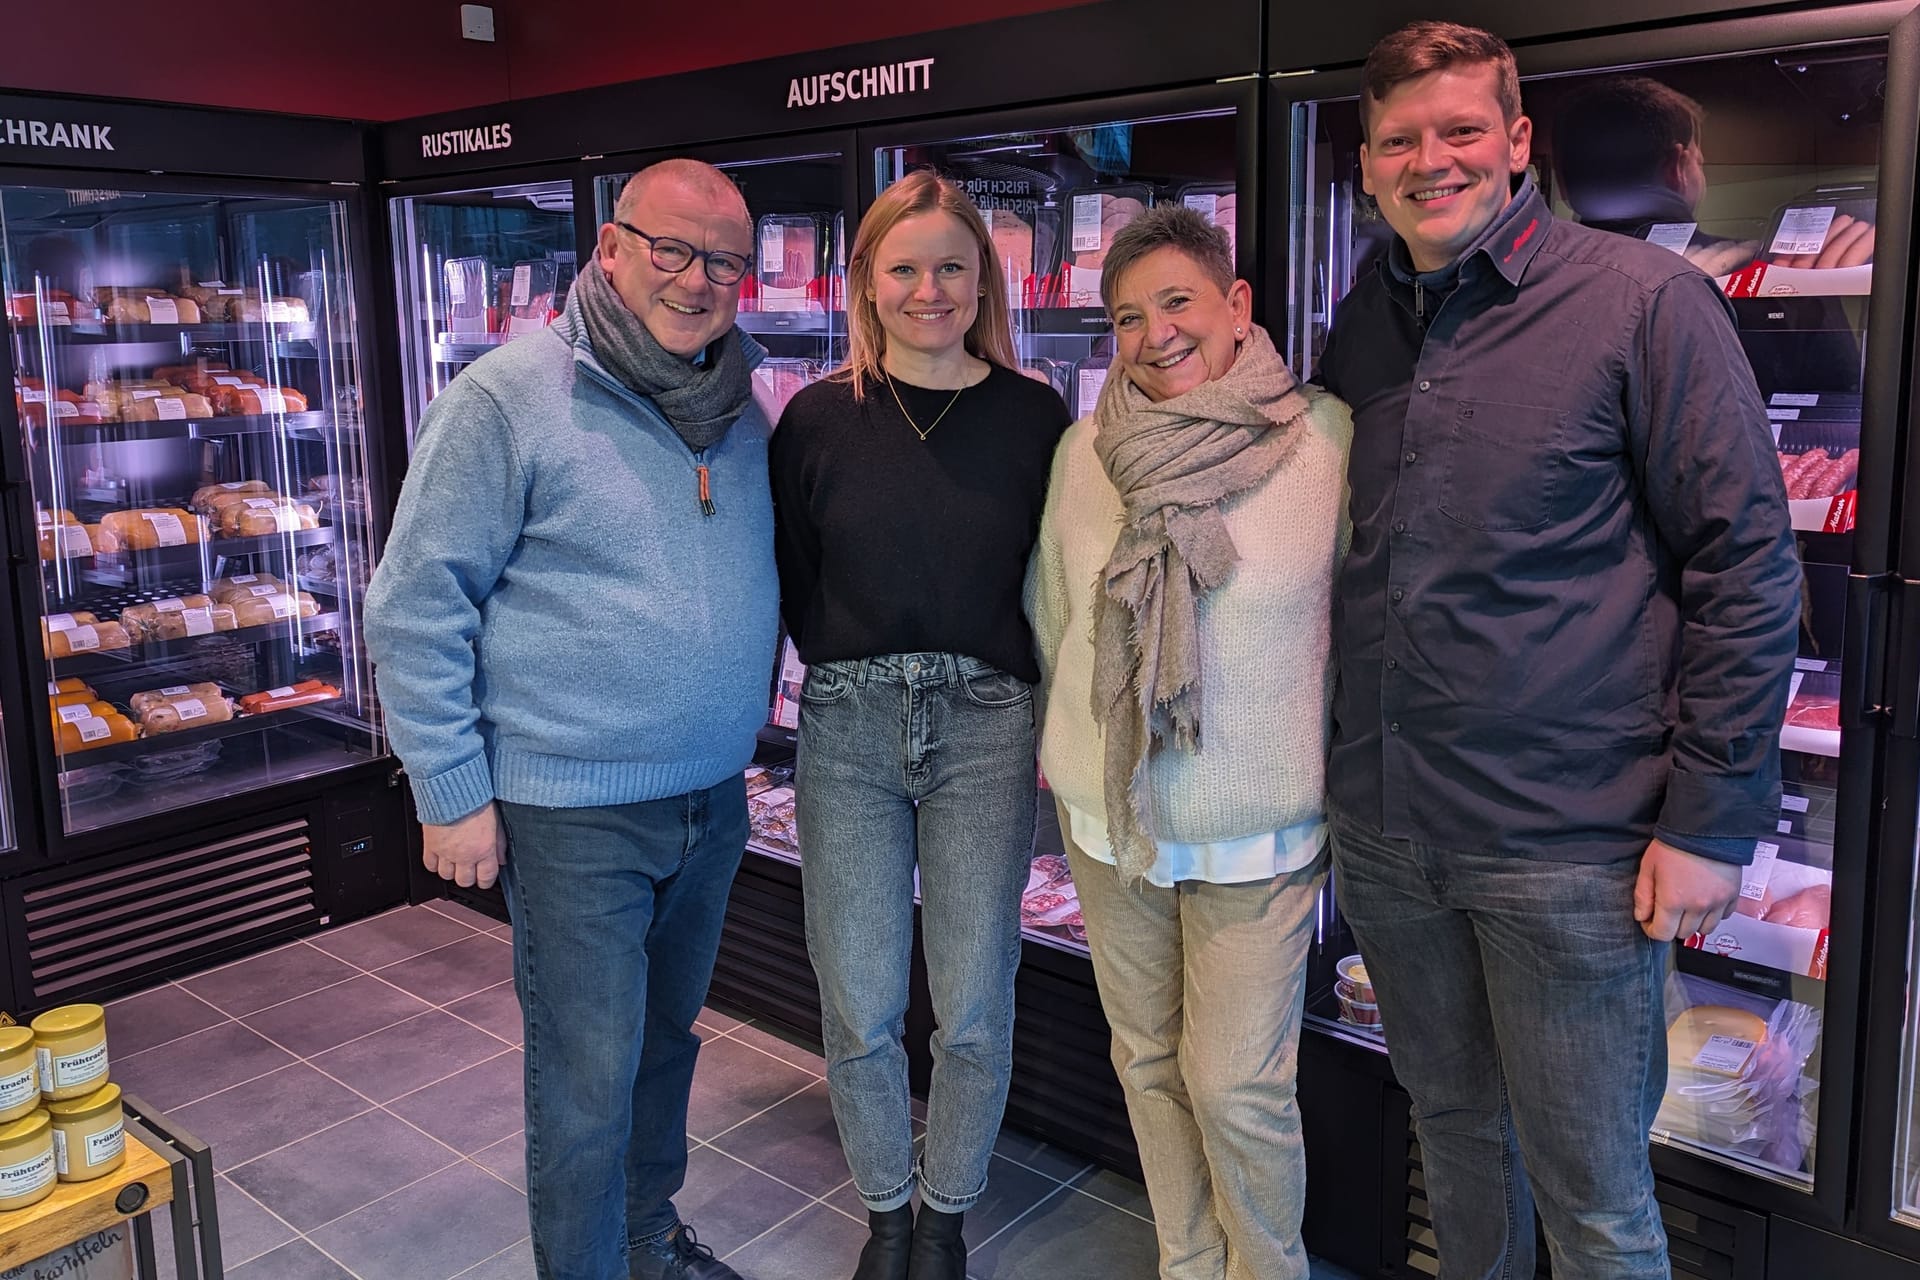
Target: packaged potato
x,y
258,611
147,529
177,618
146,700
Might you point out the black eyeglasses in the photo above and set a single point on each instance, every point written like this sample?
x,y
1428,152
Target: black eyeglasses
x,y
674,256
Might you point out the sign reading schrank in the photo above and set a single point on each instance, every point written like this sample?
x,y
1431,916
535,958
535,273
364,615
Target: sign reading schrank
x,y
103,133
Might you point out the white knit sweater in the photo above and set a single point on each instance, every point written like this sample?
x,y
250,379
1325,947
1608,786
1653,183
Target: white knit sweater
x,y
1265,660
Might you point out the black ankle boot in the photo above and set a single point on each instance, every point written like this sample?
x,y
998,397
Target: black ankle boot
x,y
885,1255
938,1251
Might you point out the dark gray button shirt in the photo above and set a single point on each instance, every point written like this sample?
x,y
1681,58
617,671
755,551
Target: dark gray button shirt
x,y
1570,611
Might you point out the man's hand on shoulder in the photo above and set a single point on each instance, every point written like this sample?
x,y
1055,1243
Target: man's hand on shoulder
x,y
1680,893
469,852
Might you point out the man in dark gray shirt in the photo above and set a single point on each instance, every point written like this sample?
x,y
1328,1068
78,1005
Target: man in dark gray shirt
x,y
1564,636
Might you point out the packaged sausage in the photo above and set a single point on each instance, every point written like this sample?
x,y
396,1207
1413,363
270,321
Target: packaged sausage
x,y
71,684
149,528
253,401
259,611
95,731
294,695
147,699
86,637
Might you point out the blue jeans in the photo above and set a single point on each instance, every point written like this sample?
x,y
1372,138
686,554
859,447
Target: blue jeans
x,y
616,920
927,759
1522,1008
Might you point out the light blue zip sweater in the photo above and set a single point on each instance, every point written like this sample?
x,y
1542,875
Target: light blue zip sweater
x,y
554,622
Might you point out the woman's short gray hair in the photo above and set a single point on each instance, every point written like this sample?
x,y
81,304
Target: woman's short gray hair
x,y
1168,226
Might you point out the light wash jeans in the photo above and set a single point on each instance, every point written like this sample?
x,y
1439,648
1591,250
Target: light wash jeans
x,y
1202,985
616,921
912,759
1522,1008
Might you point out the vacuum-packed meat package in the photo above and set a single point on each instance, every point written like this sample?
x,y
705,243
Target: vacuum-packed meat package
x,y
791,262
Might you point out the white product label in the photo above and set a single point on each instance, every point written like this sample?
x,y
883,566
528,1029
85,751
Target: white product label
x,y
1793,686
167,529
456,282
258,592
1803,230
28,1176
260,504
212,284
1725,1053
1783,827
276,312
60,622
271,401
1091,381
171,409
1809,664
773,248
74,715
242,579
199,622
1804,400
1207,206
53,688
284,691
55,313
163,311
74,540
190,709
62,1071
82,639
60,1152
65,409
232,293
16,1089
1793,804
1777,414
285,606
1671,236
1086,224
34,397
93,729
174,690
1757,875
106,1145
522,286
221,380
140,394
173,605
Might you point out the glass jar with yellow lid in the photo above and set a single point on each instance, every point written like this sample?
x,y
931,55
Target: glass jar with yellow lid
x,y
27,1170
89,1134
71,1043
19,1074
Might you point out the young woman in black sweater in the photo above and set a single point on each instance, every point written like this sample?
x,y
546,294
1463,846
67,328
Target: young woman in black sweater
x,y
907,495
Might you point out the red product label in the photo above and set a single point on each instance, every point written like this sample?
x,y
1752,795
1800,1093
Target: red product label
x,y
1817,967
1840,513
1745,283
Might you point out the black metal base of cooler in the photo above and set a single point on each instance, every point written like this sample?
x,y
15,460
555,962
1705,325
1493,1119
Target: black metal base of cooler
x,y
222,882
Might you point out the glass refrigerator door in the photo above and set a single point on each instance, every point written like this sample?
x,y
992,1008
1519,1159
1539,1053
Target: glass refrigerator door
x,y
1764,178
1053,200
476,269
188,396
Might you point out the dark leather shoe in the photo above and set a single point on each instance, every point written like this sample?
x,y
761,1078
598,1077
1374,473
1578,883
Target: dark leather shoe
x,y
678,1256
938,1251
885,1255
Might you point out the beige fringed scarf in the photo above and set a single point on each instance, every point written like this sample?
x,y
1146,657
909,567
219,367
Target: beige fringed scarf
x,y
1173,462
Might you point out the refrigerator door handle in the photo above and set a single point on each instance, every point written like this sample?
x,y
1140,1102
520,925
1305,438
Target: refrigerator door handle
x,y
1880,675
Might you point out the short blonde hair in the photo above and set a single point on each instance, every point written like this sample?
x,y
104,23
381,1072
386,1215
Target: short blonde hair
x,y
990,337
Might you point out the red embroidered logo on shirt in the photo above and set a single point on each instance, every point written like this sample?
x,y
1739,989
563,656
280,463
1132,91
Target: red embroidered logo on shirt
x,y
1523,237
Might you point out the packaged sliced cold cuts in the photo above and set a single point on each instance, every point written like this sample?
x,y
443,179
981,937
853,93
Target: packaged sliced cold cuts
x,y
1217,203
149,528
791,265
1097,217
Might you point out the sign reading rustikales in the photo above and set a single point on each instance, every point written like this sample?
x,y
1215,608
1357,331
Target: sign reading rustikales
x,y
460,142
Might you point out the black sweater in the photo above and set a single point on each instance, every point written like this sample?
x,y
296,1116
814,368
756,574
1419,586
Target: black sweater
x,y
891,544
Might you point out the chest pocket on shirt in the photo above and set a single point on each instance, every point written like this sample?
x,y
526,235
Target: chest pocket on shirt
x,y
1504,465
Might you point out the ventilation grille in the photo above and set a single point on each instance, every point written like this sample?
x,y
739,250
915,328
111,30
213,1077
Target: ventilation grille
x,y
1705,1239
762,966
98,932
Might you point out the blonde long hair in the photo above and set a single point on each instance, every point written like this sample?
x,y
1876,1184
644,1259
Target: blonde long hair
x,y
989,338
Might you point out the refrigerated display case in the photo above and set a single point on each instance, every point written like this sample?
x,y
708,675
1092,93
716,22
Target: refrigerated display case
x,y
474,269
186,381
1777,195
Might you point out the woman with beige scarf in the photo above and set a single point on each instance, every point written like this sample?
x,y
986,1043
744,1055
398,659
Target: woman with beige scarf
x,y
1187,673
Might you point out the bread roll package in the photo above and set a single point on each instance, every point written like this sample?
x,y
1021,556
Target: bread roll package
x,y
177,618
259,515
146,700
259,611
61,535
86,637
207,493
243,586
187,712
168,406
252,309
148,529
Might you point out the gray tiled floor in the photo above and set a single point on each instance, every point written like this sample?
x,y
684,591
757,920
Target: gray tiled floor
x,y
360,1090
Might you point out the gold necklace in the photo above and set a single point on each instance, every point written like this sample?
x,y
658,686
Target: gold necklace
x,y
909,417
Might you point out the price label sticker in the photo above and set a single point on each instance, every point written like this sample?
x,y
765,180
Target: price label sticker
x,y
456,282
174,690
773,248
242,579
1758,874
82,639
263,591
522,285
172,605
1777,414
74,715
284,691
61,622
222,380
285,607
163,311
1793,804
74,541
1803,400
1728,1054
171,409
271,401
34,397
1672,236
1809,664
1803,230
199,622
55,313
168,530
1207,206
1086,224
93,729
190,709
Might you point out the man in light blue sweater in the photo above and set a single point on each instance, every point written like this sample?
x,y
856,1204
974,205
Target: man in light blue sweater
x,y
574,626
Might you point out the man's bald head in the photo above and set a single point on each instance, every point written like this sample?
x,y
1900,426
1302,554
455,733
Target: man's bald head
x,y
693,177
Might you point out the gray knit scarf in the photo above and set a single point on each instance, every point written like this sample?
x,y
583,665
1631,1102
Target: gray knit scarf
x,y
699,402
1173,462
